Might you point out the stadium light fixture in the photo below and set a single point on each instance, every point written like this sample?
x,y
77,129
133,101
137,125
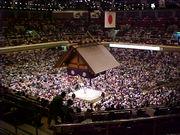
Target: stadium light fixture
x,y
141,47
153,6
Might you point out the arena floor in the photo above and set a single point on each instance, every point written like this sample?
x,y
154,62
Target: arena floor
x,y
87,94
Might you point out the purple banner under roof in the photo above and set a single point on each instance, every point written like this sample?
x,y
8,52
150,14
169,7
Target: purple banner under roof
x,y
83,73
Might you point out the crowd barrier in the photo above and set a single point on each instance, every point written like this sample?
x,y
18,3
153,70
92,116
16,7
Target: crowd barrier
x,y
157,125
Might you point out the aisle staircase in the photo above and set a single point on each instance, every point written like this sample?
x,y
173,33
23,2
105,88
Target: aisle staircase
x,y
23,129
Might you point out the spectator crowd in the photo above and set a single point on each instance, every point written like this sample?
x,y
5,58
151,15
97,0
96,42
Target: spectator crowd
x,y
140,80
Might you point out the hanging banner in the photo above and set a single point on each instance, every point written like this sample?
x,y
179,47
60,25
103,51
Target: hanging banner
x,y
162,3
110,19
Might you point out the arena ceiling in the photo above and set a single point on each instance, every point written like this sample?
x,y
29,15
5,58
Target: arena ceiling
x,y
88,4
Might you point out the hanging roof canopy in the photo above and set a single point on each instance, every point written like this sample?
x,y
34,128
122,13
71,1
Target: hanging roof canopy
x,y
97,58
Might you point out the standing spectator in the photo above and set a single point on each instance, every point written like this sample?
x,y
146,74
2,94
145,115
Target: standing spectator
x,y
69,112
56,109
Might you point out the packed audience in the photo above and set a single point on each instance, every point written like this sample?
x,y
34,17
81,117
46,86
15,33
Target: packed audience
x,y
41,29
128,86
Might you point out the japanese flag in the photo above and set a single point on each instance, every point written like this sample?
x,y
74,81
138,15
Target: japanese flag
x,y
110,19
162,3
